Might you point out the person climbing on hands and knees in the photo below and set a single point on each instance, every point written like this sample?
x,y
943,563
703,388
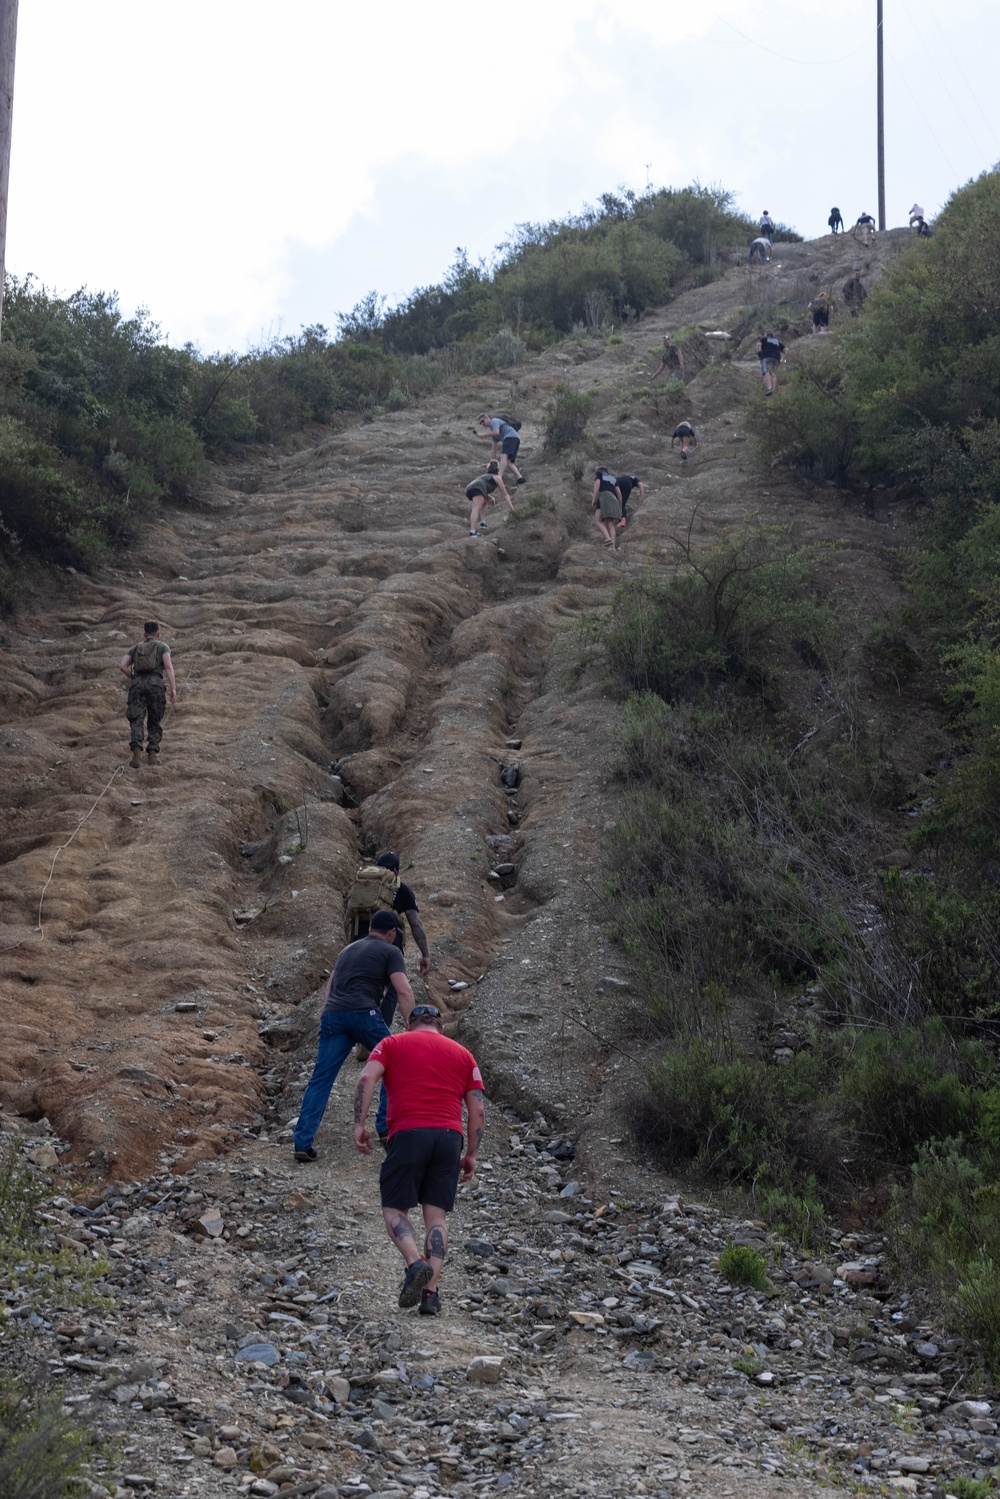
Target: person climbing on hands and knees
x,y
428,1077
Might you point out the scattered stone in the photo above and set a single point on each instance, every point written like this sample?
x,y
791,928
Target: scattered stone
x,y
261,1353
44,1157
211,1223
485,1369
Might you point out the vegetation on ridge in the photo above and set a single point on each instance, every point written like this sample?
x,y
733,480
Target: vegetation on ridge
x,y
100,419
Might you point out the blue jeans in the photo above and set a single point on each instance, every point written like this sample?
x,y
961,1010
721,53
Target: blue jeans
x,y
339,1032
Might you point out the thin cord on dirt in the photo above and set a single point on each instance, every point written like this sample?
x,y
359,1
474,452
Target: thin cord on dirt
x,y
118,771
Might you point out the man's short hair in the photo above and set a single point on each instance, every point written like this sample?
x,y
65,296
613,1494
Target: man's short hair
x,y
150,627
383,921
388,860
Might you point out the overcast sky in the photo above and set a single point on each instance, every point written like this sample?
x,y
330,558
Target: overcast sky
x,y
243,169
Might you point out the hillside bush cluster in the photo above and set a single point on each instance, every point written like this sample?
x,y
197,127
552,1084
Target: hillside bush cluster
x,y
740,873
101,420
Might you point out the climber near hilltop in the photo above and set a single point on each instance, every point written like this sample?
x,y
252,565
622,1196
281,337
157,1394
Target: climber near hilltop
x,y
503,436
145,665
428,1077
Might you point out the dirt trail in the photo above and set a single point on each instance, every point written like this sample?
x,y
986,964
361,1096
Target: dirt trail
x,y
350,664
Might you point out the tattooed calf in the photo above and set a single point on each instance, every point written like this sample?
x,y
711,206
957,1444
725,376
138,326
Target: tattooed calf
x,y
435,1246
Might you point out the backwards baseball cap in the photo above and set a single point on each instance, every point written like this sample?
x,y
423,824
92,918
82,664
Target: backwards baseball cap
x,y
388,860
383,921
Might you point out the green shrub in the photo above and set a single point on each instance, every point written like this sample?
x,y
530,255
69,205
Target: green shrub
x,y
978,1300
41,1449
743,1266
567,417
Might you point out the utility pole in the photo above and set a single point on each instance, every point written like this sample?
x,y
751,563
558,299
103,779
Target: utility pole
x,y
881,118
8,42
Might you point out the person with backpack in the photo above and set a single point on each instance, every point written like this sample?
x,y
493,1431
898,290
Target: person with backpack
x,y
145,665
377,887
769,352
607,507
626,484
503,432
835,221
767,227
480,494
351,1016
671,359
684,434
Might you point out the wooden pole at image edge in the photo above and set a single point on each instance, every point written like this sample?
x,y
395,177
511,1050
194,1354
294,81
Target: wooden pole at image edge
x,y
881,119
8,43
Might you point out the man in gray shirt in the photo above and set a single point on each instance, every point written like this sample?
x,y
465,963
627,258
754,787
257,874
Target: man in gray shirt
x,y
351,1016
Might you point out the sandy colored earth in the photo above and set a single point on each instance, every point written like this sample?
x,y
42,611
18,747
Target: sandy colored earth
x,y
350,664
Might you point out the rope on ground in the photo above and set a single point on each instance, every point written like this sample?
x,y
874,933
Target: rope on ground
x,y
118,771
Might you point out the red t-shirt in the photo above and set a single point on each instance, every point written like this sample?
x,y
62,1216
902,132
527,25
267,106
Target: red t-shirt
x,y
427,1075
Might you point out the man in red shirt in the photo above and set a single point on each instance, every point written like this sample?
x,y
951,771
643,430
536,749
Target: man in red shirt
x,y
427,1077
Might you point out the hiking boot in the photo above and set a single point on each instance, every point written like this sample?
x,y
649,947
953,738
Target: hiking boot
x,y
136,759
416,1277
430,1303
302,1156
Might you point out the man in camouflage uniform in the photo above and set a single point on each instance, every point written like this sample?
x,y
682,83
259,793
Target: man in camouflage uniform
x,y
145,665
854,293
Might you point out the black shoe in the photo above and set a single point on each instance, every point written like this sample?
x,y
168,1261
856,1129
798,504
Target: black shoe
x,y
430,1303
416,1277
522,480
306,1155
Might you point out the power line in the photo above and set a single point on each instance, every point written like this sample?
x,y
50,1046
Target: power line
x,y
800,62
969,89
942,80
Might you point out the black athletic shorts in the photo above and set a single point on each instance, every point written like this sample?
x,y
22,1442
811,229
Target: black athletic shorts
x,y
509,446
421,1166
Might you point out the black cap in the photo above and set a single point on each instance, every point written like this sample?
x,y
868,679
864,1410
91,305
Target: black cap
x,y
388,860
383,921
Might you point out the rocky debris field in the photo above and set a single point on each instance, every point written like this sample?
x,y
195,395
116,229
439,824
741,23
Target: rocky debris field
x,y
587,1342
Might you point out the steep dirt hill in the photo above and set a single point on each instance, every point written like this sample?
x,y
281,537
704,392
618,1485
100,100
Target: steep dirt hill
x,y
355,672
328,612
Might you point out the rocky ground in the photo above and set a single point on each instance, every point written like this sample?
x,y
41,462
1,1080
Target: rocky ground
x,y
587,1342
356,672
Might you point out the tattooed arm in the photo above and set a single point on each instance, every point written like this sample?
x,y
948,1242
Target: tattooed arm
x,y
476,1112
362,1102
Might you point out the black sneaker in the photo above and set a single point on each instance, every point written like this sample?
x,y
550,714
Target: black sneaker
x,y
306,1155
430,1303
416,1277
522,480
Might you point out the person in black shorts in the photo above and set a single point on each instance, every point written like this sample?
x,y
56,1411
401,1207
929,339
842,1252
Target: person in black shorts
x,y
480,494
428,1078
769,352
820,309
684,434
506,444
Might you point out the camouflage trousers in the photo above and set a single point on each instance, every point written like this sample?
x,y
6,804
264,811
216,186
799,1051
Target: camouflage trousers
x,y
146,700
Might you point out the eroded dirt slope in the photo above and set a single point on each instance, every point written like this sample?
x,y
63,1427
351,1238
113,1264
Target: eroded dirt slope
x,y
328,612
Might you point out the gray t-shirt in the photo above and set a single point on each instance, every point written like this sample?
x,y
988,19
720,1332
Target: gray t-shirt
x,y
362,973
